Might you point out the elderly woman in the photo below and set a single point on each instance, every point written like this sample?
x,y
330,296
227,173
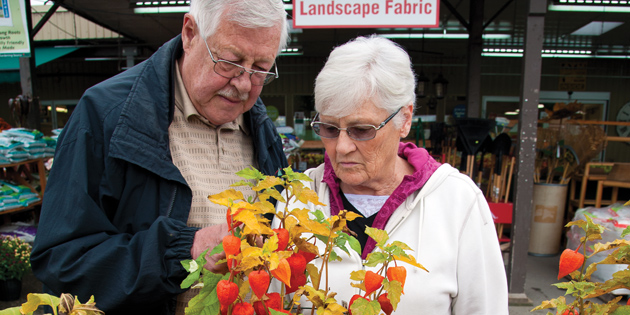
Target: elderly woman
x,y
365,98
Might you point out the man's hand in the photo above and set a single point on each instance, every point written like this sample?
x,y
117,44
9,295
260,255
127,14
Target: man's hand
x,y
209,237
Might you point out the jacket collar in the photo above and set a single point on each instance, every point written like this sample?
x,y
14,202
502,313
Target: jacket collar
x,y
141,133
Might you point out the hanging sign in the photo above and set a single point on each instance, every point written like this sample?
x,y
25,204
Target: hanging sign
x,y
14,36
365,13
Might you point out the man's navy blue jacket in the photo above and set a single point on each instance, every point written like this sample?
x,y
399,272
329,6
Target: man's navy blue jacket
x,y
113,221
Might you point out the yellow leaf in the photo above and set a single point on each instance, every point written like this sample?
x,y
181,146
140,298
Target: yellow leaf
x,y
378,235
244,289
313,273
358,275
249,263
282,272
289,223
349,215
411,260
265,207
309,195
315,296
271,244
226,197
316,228
335,309
252,224
360,286
305,246
268,182
34,300
252,251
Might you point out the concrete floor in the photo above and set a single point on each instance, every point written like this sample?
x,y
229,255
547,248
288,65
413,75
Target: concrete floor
x,y
542,272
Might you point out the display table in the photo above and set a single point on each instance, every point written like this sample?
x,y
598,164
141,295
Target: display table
x,y
21,173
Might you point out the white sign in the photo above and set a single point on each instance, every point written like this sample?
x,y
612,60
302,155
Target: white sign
x,y
14,36
365,13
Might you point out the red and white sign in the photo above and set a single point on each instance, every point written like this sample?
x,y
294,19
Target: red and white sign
x,y
365,13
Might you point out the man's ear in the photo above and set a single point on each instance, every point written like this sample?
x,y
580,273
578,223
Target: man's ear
x,y
189,31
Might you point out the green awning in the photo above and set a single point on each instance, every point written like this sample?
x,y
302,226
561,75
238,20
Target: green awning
x,y
10,66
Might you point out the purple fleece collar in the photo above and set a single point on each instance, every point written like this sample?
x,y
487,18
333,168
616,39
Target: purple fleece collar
x,y
424,166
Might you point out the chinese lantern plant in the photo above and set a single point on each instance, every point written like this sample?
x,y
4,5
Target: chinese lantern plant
x,y
581,287
287,253
384,287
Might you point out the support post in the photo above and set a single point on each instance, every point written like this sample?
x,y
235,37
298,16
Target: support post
x,y
27,75
475,47
526,150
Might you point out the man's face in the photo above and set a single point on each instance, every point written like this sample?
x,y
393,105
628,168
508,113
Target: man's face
x,y
219,99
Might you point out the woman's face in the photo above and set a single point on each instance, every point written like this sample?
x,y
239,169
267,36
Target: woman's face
x,y
366,164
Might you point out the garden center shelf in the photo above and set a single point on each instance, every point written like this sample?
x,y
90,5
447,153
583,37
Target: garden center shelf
x,y
21,173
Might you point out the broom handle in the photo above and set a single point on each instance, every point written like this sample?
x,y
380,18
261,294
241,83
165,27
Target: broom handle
x,y
509,181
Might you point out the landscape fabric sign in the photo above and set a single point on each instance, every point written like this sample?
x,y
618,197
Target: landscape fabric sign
x,y
14,37
366,13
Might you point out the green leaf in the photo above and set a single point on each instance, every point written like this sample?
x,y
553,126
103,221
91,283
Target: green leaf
x,y
394,290
365,307
195,267
291,176
319,215
354,243
333,256
34,300
375,258
251,173
13,311
274,312
624,310
206,302
379,236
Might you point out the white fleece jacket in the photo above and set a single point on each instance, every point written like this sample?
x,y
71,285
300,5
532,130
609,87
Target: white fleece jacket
x,y
449,226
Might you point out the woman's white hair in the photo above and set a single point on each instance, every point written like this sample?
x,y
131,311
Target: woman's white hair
x,y
246,13
365,69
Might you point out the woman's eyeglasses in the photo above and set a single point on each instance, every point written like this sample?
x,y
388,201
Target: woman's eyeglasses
x,y
358,132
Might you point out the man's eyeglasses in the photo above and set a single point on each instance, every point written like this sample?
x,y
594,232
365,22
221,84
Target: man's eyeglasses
x,y
230,70
358,132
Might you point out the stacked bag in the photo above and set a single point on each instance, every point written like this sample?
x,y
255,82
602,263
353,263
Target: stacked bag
x,y
15,196
21,144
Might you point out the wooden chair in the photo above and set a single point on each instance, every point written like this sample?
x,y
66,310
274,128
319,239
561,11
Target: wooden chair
x,y
619,177
593,171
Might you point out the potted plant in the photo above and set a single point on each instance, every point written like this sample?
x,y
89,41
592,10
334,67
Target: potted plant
x,y
15,261
581,286
288,254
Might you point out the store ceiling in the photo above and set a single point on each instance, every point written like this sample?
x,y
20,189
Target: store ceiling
x,y
502,16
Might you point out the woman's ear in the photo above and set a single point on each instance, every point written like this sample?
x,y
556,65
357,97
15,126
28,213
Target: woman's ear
x,y
407,111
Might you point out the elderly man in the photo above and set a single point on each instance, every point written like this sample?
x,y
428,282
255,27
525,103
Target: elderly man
x,y
126,199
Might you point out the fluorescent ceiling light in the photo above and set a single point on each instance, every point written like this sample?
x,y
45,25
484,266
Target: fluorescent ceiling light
x,y
588,8
596,28
292,51
166,9
442,36
519,55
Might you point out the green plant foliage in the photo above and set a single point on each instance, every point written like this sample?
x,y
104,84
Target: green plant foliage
x,y
582,288
15,258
